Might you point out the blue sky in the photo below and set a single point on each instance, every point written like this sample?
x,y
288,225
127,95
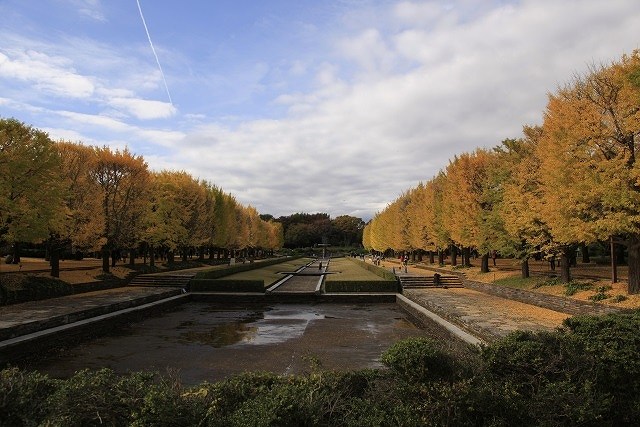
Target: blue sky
x,y
300,106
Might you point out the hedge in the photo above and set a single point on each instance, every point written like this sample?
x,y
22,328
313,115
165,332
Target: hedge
x,y
385,274
207,285
360,286
239,268
16,288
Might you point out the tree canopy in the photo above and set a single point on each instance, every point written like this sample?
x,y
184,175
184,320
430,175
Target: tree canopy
x,y
572,181
101,199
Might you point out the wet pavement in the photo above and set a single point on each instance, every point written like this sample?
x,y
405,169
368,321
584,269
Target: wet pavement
x,y
203,341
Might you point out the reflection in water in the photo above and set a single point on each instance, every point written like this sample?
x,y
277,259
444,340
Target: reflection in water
x,y
220,335
208,342
271,326
401,322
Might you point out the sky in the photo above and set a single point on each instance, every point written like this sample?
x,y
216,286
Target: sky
x,y
334,106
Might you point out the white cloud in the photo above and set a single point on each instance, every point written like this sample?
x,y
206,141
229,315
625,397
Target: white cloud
x,y
165,138
369,50
49,74
144,109
404,88
91,9
413,13
354,145
104,122
57,134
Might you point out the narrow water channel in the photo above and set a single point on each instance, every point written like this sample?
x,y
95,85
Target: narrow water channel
x,y
203,341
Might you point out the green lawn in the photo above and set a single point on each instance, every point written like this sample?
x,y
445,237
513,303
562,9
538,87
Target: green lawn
x,y
270,273
344,269
348,270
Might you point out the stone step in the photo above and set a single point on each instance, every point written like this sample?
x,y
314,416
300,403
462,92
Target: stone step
x,y
169,280
412,282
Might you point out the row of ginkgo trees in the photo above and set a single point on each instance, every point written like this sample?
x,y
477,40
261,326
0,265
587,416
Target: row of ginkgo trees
x,y
571,181
100,199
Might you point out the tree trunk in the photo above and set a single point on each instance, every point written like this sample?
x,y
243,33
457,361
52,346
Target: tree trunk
x,y
454,255
105,259
185,251
16,253
431,257
152,257
585,253
614,265
466,257
620,255
440,257
484,263
54,260
525,268
634,265
170,258
132,257
565,266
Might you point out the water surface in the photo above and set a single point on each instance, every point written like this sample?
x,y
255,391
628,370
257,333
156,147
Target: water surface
x,y
204,341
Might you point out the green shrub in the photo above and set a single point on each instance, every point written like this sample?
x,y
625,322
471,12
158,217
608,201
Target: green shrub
x,y
548,282
97,397
601,294
613,341
319,398
541,378
619,298
419,360
23,397
573,287
166,404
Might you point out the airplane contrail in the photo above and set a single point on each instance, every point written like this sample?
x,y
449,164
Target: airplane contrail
x,y
154,52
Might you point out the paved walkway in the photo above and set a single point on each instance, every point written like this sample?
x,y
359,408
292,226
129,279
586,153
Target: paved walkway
x,y
306,280
487,316
25,318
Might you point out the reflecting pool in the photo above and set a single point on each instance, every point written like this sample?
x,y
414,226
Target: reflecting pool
x,y
204,341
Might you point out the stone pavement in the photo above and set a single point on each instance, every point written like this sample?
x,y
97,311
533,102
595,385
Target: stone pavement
x,y
33,316
490,312
486,316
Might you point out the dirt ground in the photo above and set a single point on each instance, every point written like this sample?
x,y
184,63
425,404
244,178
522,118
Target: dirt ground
x,y
71,271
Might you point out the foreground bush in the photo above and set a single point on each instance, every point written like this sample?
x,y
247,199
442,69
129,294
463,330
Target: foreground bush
x,y
587,374
16,288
